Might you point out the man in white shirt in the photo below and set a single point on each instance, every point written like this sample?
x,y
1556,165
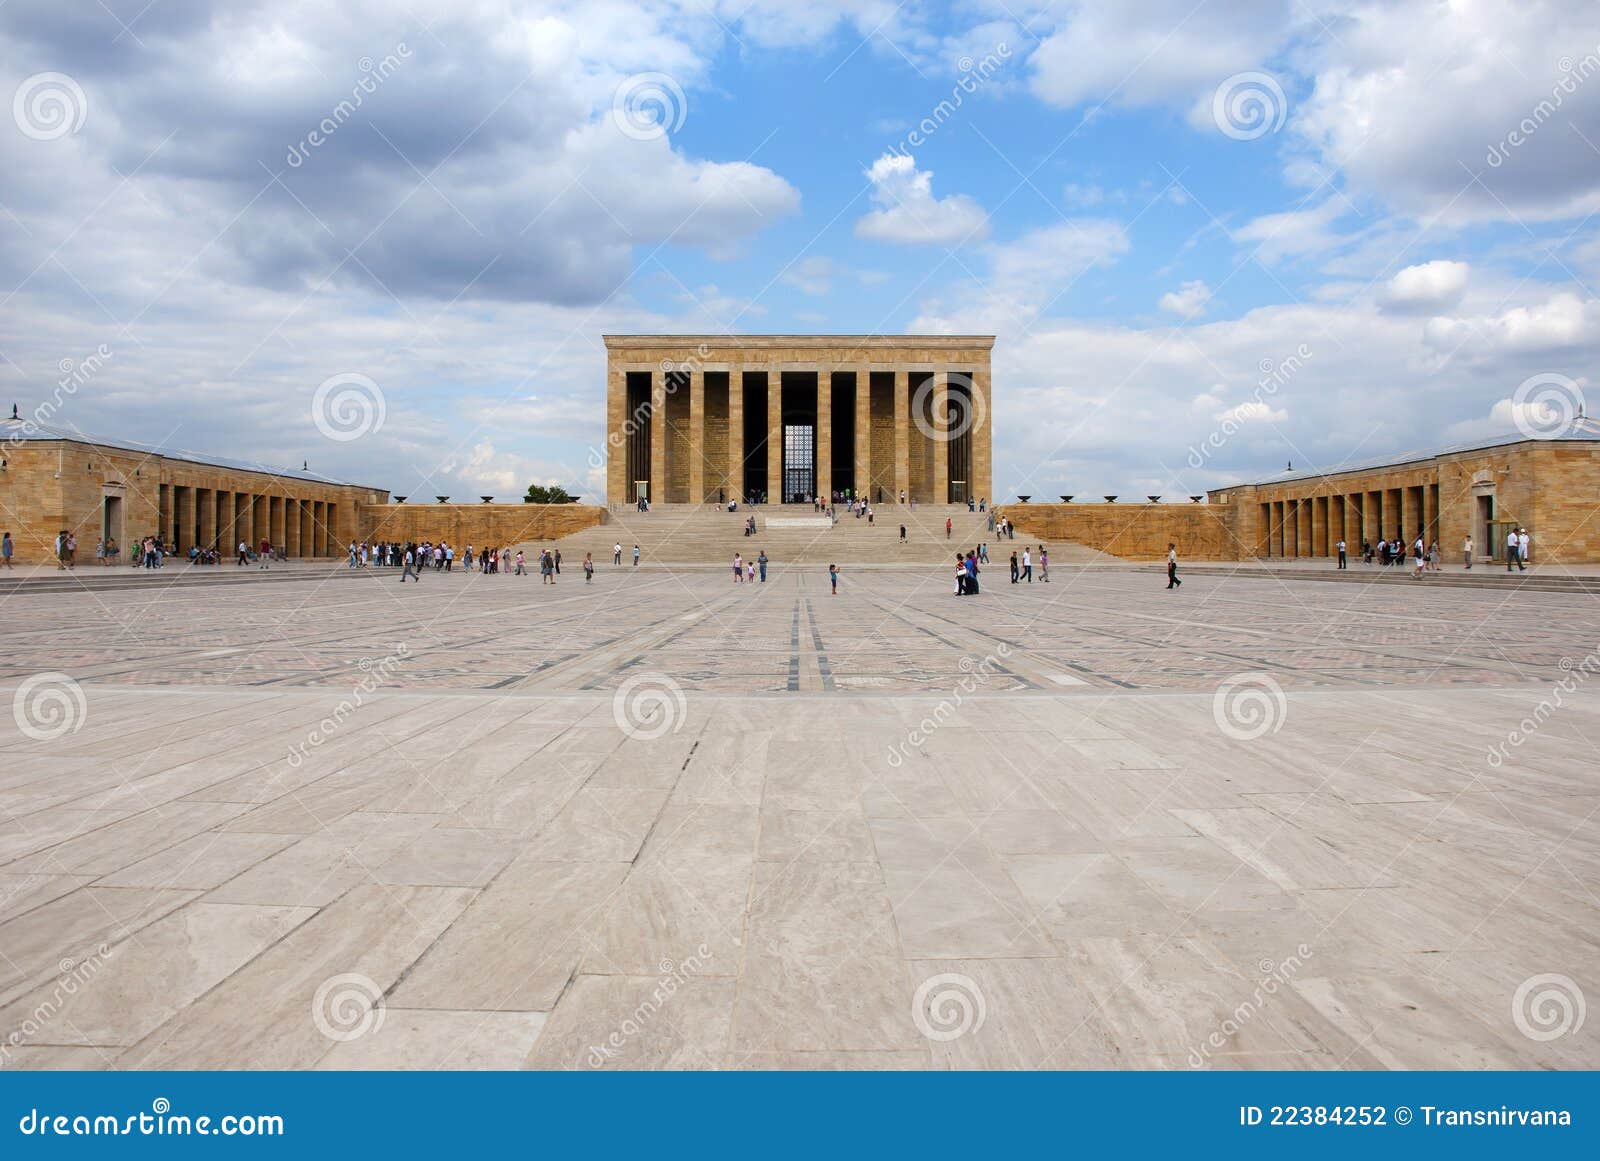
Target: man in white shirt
x,y
1172,564
1513,547
616,553
1466,552
1342,557
1027,566
1523,542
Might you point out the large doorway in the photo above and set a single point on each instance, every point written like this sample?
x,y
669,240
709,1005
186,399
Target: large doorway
x,y
1482,524
111,519
799,462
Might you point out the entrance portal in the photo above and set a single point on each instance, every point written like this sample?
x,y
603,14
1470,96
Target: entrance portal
x,y
799,462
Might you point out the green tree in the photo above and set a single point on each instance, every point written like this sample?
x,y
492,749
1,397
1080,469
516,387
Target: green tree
x,y
554,494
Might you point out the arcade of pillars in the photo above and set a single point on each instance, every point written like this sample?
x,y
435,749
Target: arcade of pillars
x,y
706,419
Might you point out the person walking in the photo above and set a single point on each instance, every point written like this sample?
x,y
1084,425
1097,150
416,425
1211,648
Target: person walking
x,y
616,553
635,556
6,551
961,575
266,553
902,534
244,554
1466,553
1512,547
762,562
555,560
738,568
1015,570
588,569
1342,558
1027,565
1044,565
947,527
1172,567
1419,558
972,574
411,569
833,579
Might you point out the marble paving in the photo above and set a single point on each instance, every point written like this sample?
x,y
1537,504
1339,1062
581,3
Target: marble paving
x,y
664,821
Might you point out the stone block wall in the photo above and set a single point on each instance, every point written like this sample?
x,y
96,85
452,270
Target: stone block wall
x,y
480,525
1132,531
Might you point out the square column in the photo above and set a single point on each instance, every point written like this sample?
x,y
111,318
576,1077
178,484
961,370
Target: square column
x,y
902,438
941,437
319,528
735,466
658,437
291,527
981,486
183,504
617,426
824,442
308,546
863,473
774,436
697,436
206,528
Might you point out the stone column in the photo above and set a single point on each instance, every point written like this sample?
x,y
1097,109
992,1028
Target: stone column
x,y
1319,526
319,527
206,507
183,520
308,536
824,456
863,473
697,436
941,438
291,526
982,483
616,432
735,465
658,437
902,436
774,436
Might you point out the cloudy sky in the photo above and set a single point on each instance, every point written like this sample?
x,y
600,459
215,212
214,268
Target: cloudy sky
x,y
1211,238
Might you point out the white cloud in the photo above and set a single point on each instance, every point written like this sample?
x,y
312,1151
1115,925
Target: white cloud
x,y
1188,301
910,214
1294,233
1426,288
1561,321
1252,411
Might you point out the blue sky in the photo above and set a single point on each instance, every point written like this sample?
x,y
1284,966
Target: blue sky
x,y
1377,247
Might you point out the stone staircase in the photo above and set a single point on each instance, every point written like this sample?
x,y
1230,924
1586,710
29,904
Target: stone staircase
x,y
792,534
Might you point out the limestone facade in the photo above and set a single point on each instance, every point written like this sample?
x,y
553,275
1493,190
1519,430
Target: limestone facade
x,y
707,418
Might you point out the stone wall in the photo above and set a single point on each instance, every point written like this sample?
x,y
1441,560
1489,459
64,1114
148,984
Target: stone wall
x,y
1131,531
481,525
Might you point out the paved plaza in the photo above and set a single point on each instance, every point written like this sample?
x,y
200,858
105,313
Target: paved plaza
x,y
669,821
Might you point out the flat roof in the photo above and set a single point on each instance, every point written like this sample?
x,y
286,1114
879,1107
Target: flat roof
x,y
615,342
26,430
1582,431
